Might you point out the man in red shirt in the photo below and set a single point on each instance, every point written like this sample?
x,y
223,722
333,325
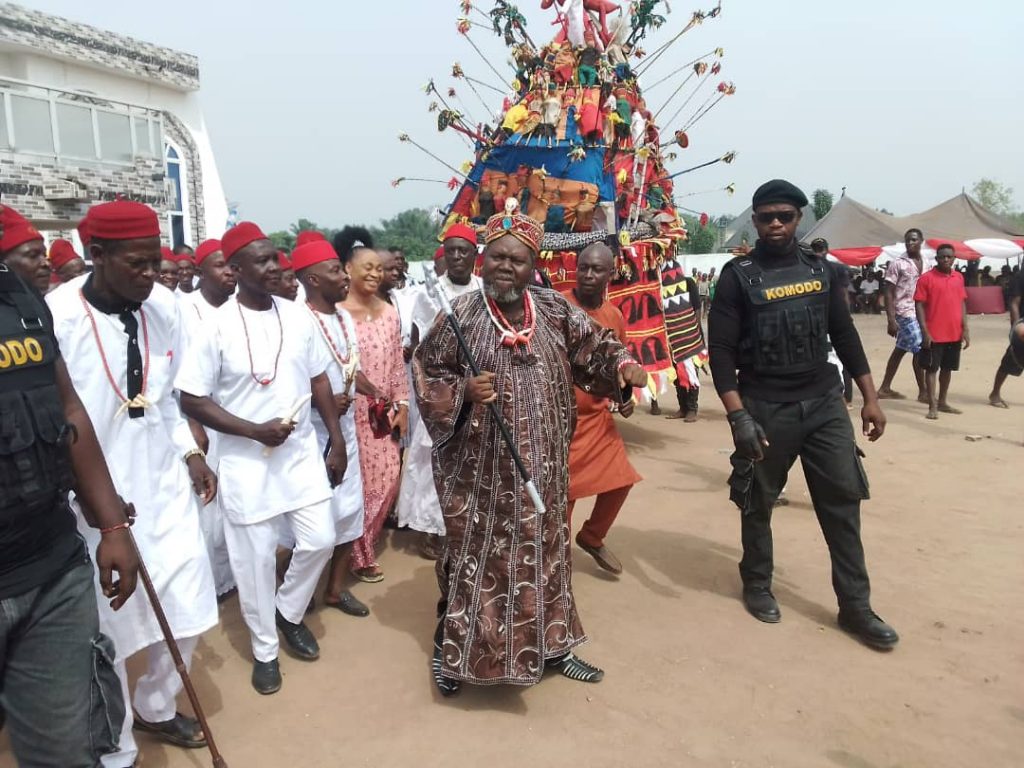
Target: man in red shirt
x,y
941,304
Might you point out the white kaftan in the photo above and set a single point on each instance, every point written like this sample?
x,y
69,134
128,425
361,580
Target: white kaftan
x,y
145,459
418,505
198,314
227,364
347,503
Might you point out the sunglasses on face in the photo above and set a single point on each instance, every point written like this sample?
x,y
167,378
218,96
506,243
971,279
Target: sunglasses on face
x,y
767,217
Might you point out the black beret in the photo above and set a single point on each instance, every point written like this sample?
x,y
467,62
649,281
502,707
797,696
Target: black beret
x,y
779,191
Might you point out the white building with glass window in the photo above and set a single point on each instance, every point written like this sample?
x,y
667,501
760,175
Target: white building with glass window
x,y
88,116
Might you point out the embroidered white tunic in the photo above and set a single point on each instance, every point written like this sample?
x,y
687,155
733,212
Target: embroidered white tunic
x,y
418,506
347,503
145,459
227,364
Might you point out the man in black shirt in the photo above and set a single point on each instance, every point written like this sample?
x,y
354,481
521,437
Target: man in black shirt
x,y
1011,364
773,313
61,697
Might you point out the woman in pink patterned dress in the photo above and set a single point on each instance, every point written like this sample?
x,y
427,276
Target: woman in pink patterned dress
x,y
380,357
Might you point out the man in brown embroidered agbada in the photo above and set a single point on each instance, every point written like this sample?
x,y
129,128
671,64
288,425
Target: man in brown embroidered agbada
x,y
507,608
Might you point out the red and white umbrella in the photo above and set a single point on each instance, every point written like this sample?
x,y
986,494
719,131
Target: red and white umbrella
x,y
971,250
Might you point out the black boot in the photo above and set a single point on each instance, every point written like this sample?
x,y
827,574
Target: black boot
x,y
760,603
692,396
869,628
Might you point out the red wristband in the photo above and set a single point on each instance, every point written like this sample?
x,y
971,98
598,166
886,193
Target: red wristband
x,y
119,527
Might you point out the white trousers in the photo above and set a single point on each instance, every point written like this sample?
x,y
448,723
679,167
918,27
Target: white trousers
x,y
211,521
155,696
252,549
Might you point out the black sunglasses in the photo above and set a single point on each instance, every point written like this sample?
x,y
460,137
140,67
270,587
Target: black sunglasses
x,y
767,217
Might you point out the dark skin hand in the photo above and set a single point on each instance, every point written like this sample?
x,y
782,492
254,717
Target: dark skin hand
x,y
480,389
101,505
323,401
204,481
208,413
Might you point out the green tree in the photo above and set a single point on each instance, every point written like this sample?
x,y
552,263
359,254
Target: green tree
x,y
821,203
282,240
995,196
701,239
413,231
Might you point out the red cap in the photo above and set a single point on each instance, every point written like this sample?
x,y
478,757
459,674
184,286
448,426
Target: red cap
x,y
283,260
309,236
239,236
166,254
313,252
122,220
206,248
439,253
183,256
464,231
61,252
17,229
83,231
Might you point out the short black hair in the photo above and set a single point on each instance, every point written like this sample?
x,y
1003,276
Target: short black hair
x,y
183,248
819,242
911,230
945,247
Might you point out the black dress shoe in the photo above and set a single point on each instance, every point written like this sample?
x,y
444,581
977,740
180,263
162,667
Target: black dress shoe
x,y
760,603
298,639
266,676
869,628
348,603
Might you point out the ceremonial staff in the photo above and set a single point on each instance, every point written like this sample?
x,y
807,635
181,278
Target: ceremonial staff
x,y
179,663
438,294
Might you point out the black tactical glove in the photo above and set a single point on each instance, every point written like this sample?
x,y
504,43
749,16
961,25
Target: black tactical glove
x,y
747,435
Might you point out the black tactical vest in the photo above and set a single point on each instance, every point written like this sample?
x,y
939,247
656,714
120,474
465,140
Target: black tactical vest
x,y
786,325
35,465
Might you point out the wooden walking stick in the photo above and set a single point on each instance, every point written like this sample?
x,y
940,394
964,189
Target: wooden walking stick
x,y
179,663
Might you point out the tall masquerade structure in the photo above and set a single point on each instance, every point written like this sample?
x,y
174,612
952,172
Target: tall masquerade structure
x,y
577,142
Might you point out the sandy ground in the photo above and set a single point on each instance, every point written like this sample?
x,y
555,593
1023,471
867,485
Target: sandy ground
x,y
692,679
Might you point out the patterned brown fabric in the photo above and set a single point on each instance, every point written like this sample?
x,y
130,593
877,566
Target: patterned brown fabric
x,y
505,577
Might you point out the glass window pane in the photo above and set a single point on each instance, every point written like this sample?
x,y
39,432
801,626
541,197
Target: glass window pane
x,y
172,153
177,230
74,126
142,136
174,176
32,124
155,136
115,137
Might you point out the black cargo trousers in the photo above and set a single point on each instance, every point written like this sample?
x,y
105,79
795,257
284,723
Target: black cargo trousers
x,y
820,433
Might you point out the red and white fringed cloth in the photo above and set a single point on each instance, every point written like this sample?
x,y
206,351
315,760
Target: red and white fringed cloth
x,y
971,250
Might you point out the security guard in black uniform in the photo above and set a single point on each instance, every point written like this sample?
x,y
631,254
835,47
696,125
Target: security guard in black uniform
x,y
775,310
58,690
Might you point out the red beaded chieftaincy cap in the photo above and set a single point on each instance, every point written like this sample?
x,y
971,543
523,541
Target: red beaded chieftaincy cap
x,y
511,222
61,252
313,252
122,220
239,236
206,248
464,231
17,229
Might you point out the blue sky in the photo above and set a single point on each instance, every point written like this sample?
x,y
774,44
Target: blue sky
x,y
903,102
